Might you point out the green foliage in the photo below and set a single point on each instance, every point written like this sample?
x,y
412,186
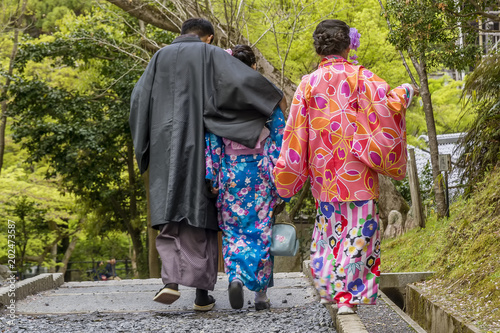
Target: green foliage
x,y
426,186
92,249
448,114
283,33
403,187
481,145
84,133
70,108
307,208
425,182
71,104
40,211
460,250
30,222
47,13
375,52
40,16
432,37
23,182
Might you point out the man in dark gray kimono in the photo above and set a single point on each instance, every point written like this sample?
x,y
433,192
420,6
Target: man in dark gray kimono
x,y
188,87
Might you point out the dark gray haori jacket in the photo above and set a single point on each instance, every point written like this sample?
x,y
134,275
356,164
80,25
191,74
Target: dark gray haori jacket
x,y
189,87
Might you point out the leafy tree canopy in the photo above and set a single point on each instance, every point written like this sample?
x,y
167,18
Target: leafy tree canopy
x,y
482,143
47,13
272,25
33,203
432,37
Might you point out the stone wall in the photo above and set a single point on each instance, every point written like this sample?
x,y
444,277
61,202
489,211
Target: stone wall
x,y
432,317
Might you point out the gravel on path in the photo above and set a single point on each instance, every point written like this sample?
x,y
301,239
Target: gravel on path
x,y
311,317
381,318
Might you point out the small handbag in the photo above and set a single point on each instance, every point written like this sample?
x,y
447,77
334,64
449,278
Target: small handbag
x,y
284,240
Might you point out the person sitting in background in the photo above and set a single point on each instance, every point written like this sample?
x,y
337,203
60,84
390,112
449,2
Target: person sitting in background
x,y
111,270
99,272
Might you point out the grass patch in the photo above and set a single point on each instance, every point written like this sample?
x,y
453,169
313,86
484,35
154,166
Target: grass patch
x,y
464,252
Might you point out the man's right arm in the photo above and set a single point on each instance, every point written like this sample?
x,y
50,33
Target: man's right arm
x,y
241,102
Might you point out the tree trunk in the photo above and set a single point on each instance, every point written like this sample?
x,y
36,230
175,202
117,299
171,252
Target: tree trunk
x,y
133,215
3,96
3,125
433,144
154,263
53,256
141,265
296,208
3,93
67,255
416,198
138,263
149,14
133,262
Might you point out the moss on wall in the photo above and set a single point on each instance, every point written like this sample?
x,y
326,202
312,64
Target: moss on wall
x,y
464,252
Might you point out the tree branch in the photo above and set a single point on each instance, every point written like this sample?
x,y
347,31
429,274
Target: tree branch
x,y
144,11
400,53
480,11
298,204
150,14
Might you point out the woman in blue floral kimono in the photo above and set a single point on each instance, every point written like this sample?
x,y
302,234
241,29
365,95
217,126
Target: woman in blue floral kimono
x,y
247,197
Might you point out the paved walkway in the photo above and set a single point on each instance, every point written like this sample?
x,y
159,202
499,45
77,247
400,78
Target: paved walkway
x,y
127,306
290,289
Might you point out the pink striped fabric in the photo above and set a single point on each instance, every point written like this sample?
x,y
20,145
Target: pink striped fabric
x,y
345,252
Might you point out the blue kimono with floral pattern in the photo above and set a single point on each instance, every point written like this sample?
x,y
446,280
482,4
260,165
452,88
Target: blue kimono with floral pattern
x,y
247,196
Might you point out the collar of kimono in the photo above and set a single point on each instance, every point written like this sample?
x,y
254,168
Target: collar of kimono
x,y
331,59
186,38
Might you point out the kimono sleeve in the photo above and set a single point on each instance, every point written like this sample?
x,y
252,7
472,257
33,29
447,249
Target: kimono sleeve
x,y
241,102
276,125
140,114
374,91
380,138
272,148
213,155
291,170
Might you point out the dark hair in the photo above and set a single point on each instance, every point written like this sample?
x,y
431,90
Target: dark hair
x,y
331,37
197,26
244,53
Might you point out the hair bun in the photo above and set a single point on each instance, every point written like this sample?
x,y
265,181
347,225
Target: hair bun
x,y
331,37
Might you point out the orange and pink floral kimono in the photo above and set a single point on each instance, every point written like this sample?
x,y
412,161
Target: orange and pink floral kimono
x,y
345,126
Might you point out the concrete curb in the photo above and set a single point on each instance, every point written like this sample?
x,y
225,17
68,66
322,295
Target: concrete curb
x,y
432,317
30,286
345,323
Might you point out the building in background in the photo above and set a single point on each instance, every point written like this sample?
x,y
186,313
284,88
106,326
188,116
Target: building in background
x,y
447,144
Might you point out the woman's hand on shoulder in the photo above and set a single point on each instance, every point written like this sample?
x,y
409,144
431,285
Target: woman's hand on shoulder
x,y
416,90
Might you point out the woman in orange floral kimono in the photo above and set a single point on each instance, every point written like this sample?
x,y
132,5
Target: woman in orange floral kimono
x,y
345,126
